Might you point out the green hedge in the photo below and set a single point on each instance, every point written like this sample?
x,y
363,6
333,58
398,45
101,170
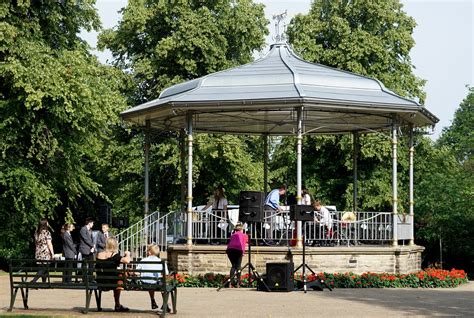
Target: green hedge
x,y
429,278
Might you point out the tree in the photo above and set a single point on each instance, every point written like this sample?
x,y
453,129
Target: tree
x,y
460,135
57,105
445,209
371,38
444,206
161,43
167,42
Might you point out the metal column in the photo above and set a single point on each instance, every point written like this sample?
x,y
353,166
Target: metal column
x,y
147,179
355,155
299,142
394,182
411,200
147,169
182,156
189,198
265,163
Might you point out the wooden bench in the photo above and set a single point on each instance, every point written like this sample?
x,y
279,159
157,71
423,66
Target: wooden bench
x,y
85,276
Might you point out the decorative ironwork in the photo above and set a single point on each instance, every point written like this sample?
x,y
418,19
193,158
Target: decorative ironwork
x,y
280,26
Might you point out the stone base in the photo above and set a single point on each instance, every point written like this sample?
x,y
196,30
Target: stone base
x,y
201,259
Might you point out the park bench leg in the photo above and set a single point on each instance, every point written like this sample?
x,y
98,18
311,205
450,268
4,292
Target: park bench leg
x,y
174,299
88,300
24,296
165,304
12,298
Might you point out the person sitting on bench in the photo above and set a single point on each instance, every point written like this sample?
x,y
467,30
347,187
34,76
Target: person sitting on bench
x,y
109,260
153,252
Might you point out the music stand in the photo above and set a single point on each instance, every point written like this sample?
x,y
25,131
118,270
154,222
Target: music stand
x,y
304,213
253,273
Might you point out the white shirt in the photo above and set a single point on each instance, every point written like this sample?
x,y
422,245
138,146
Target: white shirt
x,y
326,218
219,204
306,200
151,267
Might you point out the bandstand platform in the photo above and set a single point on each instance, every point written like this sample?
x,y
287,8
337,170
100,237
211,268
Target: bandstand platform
x,y
201,259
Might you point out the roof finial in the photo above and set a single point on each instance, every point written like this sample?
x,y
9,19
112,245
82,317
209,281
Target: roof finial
x,y
280,33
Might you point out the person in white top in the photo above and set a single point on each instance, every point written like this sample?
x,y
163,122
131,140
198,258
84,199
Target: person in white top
x,y
219,214
218,201
153,251
306,198
323,216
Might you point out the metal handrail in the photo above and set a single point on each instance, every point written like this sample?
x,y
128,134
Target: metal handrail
x,y
215,227
369,227
151,229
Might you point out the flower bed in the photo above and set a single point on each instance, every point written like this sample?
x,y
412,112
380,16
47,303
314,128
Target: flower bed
x,y
429,278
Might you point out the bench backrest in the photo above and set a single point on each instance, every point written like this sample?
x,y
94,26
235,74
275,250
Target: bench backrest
x,y
136,275
23,271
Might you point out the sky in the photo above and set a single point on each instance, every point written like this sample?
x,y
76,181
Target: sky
x,y
443,54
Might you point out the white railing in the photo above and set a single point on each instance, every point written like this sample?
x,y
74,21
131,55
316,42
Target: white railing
x,y
215,227
152,229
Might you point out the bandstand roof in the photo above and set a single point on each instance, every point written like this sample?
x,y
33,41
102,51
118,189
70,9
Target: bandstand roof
x,y
261,98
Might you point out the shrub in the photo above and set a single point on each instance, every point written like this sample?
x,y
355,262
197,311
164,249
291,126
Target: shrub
x,y
430,278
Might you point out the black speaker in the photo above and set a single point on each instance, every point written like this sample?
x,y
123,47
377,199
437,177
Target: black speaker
x,y
279,276
301,213
251,206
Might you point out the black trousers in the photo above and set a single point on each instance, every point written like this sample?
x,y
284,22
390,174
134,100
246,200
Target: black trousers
x,y
68,269
235,258
85,269
42,273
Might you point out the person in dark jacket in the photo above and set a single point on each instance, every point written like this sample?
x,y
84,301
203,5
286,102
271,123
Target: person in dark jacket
x,y
102,238
69,250
86,244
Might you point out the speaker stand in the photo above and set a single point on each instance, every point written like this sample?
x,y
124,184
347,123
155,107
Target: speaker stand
x,y
253,273
305,266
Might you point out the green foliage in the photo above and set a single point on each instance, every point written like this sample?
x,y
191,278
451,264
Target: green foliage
x,y
227,160
168,42
445,192
57,104
460,135
371,38
160,43
430,278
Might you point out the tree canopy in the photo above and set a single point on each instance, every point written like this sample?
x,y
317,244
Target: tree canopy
x,y
369,38
56,107
63,150
160,43
445,191
460,135
167,42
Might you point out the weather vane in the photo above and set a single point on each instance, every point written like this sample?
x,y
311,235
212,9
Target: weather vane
x,y
280,32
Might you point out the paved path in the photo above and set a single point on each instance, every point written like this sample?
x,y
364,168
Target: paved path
x,y
206,302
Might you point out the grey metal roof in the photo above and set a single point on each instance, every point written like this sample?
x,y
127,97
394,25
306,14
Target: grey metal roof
x,y
261,97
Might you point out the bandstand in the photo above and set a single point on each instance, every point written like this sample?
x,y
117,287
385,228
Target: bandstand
x,y
283,95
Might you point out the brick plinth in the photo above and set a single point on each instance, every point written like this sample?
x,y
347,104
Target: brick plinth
x,y
201,259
